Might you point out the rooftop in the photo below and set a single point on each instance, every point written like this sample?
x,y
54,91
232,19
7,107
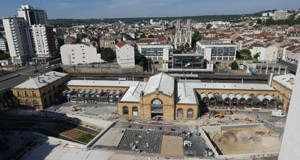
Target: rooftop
x,y
41,80
110,83
133,93
186,94
163,82
231,86
286,80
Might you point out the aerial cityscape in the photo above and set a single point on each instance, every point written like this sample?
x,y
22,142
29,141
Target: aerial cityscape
x,y
125,82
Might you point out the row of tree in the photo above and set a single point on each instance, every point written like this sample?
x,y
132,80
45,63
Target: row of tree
x,y
290,21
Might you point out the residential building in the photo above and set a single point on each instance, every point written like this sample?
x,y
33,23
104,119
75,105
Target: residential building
x,y
108,43
42,91
3,44
267,53
19,40
183,35
125,54
74,54
216,50
32,15
291,53
43,40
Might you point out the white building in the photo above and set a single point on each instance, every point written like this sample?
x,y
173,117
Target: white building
x,y
267,53
32,15
3,46
125,55
216,50
43,40
74,54
18,39
281,14
291,53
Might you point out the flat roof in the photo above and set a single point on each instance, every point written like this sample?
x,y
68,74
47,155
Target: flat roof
x,y
101,83
231,86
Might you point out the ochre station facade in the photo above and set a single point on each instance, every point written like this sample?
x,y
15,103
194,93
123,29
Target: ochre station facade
x,y
159,96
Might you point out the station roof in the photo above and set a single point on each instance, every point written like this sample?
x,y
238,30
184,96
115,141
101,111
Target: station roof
x,y
231,86
133,93
41,80
186,93
163,82
287,80
101,83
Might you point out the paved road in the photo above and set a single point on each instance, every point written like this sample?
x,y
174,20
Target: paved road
x,y
13,79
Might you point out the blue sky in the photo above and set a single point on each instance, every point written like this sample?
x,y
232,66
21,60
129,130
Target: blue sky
x,y
144,8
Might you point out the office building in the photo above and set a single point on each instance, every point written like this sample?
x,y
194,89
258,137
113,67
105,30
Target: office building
x,y
32,15
18,39
74,54
216,50
158,50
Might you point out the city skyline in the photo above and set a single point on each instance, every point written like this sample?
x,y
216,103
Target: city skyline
x,y
146,8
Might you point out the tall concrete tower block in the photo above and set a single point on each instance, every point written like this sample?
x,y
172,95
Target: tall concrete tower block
x,y
290,146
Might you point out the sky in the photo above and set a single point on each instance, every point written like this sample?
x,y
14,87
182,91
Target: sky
x,y
82,9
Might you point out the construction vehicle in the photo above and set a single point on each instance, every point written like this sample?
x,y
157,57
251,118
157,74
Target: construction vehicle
x,y
216,113
75,109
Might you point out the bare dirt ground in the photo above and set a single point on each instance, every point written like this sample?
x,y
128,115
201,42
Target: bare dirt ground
x,y
246,140
172,146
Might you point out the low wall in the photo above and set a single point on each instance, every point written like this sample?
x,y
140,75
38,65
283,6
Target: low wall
x,y
93,141
113,70
60,140
208,142
97,122
207,129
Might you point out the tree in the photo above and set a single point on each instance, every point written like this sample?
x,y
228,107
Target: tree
x,y
143,36
150,36
208,26
195,38
186,46
143,62
256,56
181,47
108,54
234,65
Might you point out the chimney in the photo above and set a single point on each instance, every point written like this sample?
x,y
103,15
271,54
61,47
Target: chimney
x,y
39,80
54,74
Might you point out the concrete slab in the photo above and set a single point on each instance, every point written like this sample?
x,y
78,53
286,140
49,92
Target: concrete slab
x,y
172,146
111,139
